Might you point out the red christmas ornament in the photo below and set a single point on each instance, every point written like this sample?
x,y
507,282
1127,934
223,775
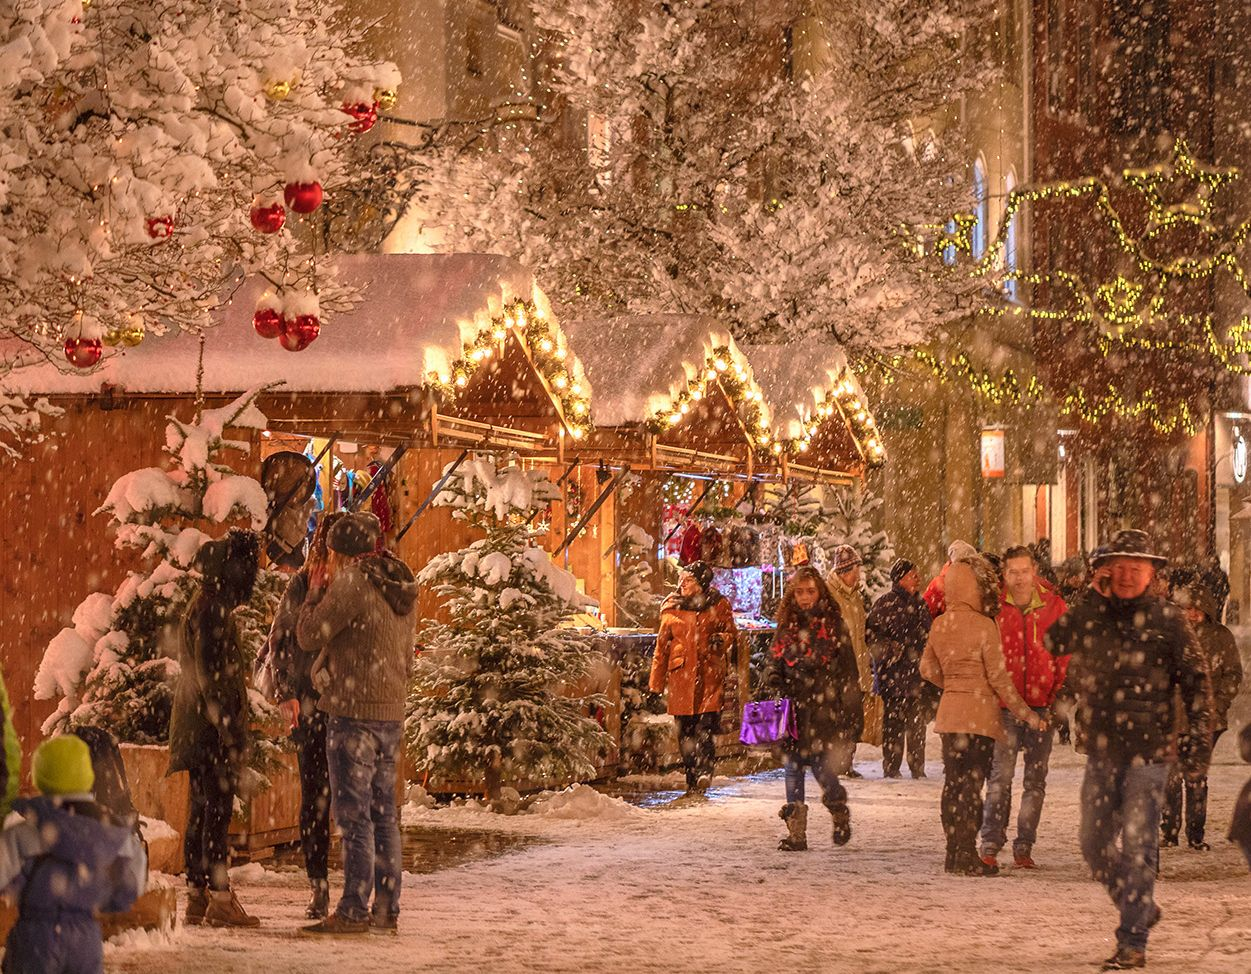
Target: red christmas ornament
x,y
268,322
364,114
300,332
268,219
83,353
303,197
160,227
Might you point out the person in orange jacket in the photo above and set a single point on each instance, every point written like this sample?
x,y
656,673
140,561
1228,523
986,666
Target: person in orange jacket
x,y
1028,608
935,591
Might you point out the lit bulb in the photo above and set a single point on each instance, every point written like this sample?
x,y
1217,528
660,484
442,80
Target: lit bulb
x,y
461,380
683,408
720,364
675,417
576,433
697,394
763,439
803,446
777,447
499,334
576,388
711,373
560,382
545,345
560,354
521,317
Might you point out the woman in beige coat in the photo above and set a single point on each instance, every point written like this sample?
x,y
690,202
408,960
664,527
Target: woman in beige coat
x,y
965,659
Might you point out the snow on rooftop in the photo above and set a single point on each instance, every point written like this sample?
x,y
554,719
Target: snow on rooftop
x,y
638,365
415,313
795,379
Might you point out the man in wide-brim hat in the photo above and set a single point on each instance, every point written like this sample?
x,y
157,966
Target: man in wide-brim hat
x,y
1131,652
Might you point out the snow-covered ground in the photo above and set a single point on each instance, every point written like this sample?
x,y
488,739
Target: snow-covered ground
x,y
702,889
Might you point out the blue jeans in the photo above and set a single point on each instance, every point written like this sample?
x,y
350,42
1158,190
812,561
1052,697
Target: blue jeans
x,y
1124,800
1017,736
362,756
824,769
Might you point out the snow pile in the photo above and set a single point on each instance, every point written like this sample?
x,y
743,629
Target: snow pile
x,y
583,803
139,940
155,829
236,496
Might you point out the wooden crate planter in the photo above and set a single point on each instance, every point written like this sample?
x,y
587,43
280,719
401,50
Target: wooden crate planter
x,y
272,817
154,910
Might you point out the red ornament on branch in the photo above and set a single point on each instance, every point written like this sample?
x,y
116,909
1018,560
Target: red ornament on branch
x,y
83,353
303,197
268,219
268,322
300,332
364,115
160,227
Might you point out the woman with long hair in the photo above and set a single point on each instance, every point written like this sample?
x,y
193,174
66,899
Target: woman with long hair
x,y
692,651
292,677
964,658
813,665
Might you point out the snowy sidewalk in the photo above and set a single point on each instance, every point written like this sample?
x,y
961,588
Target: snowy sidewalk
x,y
703,889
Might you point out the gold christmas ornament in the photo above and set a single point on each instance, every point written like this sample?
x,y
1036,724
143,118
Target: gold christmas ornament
x,y
384,98
112,338
132,334
278,90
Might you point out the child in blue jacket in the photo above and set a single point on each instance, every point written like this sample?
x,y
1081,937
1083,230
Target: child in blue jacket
x,y
66,861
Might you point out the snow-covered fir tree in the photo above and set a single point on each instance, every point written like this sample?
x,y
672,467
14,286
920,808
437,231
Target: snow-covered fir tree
x,y
109,668
153,149
637,602
495,695
848,519
690,159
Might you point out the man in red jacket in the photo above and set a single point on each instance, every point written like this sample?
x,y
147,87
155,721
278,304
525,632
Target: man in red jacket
x,y
1028,610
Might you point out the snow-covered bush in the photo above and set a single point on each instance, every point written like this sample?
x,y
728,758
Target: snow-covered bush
x,y
109,668
848,519
637,603
496,695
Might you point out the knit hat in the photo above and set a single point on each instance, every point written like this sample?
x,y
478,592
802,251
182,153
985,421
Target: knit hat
x,y
701,572
62,766
901,568
356,534
845,557
961,551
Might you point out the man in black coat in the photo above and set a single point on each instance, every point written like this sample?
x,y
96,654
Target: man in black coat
x,y
1131,652
896,630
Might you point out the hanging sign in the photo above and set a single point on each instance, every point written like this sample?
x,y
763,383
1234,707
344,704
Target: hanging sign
x,y
992,453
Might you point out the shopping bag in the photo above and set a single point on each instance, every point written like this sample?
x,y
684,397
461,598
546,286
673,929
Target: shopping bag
x,y
768,722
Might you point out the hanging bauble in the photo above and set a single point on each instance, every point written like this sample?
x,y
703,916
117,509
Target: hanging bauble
x,y
384,99
268,219
302,197
112,338
278,90
160,227
364,115
131,333
83,353
300,332
268,322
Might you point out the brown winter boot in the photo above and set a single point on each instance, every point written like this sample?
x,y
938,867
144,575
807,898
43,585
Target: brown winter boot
x,y
795,815
197,903
841,816
225,910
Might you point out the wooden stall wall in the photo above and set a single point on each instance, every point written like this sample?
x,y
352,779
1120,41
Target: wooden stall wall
x,y
591,557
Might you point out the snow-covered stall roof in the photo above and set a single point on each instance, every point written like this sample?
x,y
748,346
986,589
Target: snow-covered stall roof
x,y
802,381
643,366
416,313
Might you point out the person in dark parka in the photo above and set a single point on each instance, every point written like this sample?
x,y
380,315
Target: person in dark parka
x,y
208,728
66,861
813,665
897,628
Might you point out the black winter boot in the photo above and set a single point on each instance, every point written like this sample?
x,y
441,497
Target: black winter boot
x,y
319,904
795,815
840,815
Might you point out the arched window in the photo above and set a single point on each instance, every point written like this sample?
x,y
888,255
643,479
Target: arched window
x,y
980,209
1010,257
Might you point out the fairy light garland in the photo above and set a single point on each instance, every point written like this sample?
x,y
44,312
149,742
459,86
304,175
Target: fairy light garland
x,y
528,323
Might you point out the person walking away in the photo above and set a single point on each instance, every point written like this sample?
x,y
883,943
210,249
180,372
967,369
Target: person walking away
x,y
896,630
935,591
66,862
1027,610
843,583
963,658
208,727
362,632
292,686
693,648
1131,653
813,665
1220,660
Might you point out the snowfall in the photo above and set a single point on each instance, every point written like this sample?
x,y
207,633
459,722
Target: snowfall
x,y
608,886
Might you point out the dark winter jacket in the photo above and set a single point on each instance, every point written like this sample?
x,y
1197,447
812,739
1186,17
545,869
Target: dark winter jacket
x,y
1221,661
362,632
66,861
812,663
292,668
1129,656
693,650
896,630
208,724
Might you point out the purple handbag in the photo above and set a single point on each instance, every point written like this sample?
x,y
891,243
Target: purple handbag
x,y
768,722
